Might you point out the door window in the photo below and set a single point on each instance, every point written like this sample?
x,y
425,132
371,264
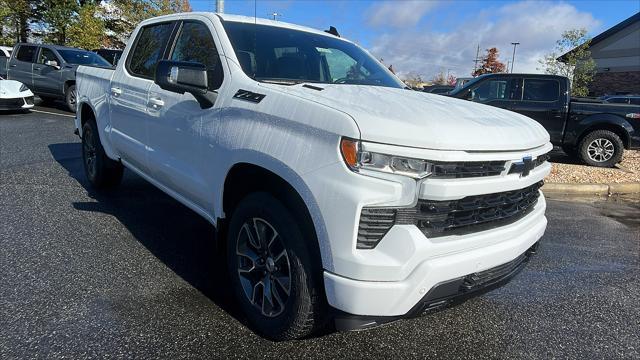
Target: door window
x,y
541,90
497,89
195,44
47,55
26,53
148,49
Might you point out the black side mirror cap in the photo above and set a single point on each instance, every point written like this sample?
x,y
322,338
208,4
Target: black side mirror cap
x,y
181,77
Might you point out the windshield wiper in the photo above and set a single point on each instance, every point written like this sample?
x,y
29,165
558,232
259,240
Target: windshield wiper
x,y
285,81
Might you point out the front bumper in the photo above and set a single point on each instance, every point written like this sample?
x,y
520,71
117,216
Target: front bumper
x,y
444,294
434,266
16,103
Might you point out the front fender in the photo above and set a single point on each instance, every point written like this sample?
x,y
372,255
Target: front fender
x,y
294,179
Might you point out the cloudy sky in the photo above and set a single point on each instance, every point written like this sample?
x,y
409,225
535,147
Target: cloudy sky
x,y
428,36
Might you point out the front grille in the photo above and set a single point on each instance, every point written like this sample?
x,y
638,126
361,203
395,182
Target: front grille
x,y
457,170
470,214
444,218
11,102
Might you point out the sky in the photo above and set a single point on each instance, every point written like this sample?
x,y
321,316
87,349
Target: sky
x,y
424,37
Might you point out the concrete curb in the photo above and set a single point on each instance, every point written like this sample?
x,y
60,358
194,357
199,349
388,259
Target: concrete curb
x,y
598,189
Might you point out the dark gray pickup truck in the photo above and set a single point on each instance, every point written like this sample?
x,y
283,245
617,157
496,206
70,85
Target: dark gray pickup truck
x,y
50,70
595,131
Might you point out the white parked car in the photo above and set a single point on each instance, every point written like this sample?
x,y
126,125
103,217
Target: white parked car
x,y
338,194
15,95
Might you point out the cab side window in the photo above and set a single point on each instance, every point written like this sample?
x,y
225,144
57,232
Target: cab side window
x,y
47,55
26,53
195,44
541,90
498,89
149,49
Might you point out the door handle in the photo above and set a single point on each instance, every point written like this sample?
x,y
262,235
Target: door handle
x,y
116,91
13,65
38,68
156,103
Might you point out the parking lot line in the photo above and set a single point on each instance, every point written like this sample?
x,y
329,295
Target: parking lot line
x,y
52,113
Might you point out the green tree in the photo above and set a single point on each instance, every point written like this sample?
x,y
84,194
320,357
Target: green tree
x,y
576,63
87,31
16,16
57,17
122,16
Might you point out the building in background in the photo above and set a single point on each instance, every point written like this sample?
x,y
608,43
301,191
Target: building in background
x,y
617,55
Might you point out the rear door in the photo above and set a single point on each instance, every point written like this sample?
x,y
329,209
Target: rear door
x,y
175,120
541,101
129,93
47,79
21,65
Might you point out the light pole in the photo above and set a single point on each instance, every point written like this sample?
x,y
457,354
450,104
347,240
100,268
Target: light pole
x,y
275,15
220,6
513,58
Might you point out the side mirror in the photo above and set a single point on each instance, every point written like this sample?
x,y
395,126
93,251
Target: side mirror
x,y
181,77
52,63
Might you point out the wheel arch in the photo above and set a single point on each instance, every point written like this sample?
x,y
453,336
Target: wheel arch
x,y
606,122
282,182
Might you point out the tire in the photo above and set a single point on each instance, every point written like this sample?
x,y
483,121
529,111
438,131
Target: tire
x,y
291,314
101,171
70,98
602,148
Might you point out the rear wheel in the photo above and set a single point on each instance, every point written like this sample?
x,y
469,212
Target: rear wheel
x,y
101,171
274,278
601,148
70,98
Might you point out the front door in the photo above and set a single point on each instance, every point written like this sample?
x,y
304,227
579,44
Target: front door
x,y
47,78
175,120
129,94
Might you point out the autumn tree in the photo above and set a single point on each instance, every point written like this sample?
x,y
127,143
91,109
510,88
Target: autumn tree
x,y
57,16
490,63
576,63
451,80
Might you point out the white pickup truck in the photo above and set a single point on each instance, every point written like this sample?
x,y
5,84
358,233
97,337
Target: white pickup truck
x,y
339,195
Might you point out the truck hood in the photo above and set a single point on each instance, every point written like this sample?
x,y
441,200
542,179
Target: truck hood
x,y
423,120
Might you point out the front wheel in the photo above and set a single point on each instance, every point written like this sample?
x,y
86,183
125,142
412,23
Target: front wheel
x,y
602,148
101,171
273,276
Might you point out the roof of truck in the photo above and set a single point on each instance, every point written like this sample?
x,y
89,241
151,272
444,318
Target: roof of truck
x,y
51,46
245,19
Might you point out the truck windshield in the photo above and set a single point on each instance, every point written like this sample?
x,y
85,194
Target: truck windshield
x,y
287,56
79,57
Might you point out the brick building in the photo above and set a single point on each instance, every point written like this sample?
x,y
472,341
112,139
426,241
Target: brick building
x,y
617,55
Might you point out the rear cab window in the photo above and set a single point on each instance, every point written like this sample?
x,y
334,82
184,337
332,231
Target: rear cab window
x,y
149,49
26,53
541,90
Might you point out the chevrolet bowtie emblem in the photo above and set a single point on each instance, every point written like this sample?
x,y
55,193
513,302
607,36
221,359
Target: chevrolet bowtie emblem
x,y
523,167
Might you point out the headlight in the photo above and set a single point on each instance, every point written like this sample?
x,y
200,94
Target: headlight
x,y
357,159
23,87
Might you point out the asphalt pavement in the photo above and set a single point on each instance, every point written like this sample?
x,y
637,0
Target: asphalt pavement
x,y
132,273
